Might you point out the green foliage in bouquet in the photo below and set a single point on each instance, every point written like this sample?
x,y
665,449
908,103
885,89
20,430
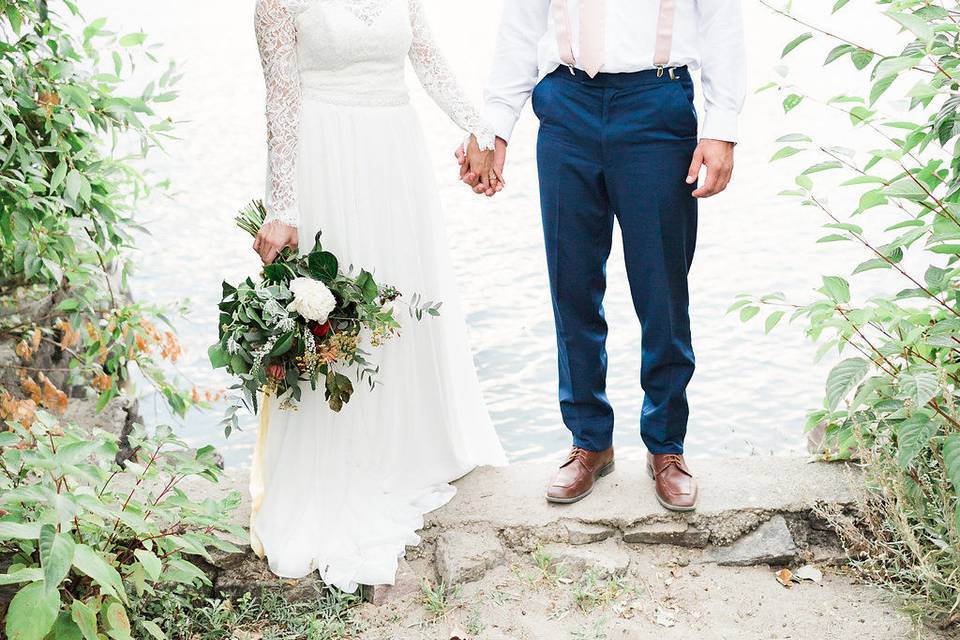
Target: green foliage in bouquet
x,y
85,540
71,136
306,320
892,399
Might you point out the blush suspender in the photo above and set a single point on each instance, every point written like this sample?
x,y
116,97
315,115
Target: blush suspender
x,y
664,42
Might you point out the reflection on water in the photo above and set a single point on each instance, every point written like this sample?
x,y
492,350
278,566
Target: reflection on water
x,y
750,392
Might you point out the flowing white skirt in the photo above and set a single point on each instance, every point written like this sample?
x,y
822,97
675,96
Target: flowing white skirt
x,y
344,494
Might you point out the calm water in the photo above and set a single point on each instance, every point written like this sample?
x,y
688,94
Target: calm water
x,y
751,391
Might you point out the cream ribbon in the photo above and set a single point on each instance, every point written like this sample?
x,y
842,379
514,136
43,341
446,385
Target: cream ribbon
x,y
257,487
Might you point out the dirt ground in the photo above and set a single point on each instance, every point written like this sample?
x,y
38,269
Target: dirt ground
x,y
666,593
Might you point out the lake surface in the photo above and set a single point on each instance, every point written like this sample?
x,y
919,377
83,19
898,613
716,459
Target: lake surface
x,y
751,391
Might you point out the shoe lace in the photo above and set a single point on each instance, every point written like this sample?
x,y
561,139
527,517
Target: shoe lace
x,y
670,459
576,453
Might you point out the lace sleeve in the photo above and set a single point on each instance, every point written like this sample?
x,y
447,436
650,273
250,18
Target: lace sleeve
x,y
437,78
276,37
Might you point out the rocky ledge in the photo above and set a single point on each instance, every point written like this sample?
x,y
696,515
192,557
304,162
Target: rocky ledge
x,y
753,511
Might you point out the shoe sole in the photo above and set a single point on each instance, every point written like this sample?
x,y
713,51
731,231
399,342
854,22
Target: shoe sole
x,y
666,505
605,471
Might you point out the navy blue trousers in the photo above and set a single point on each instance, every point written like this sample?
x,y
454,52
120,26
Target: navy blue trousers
x,y
619,146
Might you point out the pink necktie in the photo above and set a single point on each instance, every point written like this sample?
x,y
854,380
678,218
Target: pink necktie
x,y
591,36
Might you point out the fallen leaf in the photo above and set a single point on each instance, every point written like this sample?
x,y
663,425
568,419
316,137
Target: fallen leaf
x,y
808,572
784,577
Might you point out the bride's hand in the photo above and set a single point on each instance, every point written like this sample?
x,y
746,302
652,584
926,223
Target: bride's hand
x,y
272,239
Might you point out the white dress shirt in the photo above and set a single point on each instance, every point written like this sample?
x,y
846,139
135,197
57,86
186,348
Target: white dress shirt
x,y
707,34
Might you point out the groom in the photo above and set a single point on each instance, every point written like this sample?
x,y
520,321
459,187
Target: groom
x,y
618,139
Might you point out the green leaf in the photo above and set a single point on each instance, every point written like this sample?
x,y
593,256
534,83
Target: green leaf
x,y
283,345
117,621
151,563
921,386
913,435
880,87
748,312
838,52
773,319
56,556
86,619
75,182
32,613
65,628
791,102
870,265
133,39
323,265
951,458
31,574
895,66
88,562
839,5
218,356
153,629
946,248
844,378
861,58
913,23
19,531
836,288
796,42
58,175
785,152
368,286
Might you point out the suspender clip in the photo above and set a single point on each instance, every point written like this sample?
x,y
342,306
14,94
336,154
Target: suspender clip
x,y
660,71
573,70
673,73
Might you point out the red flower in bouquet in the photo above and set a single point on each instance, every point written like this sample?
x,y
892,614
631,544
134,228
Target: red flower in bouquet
x,y
276,372
320,330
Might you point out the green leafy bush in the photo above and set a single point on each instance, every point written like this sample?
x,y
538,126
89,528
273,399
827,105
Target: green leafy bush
x,y
327,615
71,136
891,400
88,538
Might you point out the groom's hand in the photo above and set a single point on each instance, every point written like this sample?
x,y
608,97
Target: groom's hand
x,y
475,164
717,156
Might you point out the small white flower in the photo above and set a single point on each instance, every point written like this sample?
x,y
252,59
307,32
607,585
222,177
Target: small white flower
x,y
232,346
312,299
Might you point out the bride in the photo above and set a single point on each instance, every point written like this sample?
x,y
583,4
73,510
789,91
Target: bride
x,y
344,493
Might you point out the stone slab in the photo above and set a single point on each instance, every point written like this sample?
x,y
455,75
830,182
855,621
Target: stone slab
x,y
461,556
675,532
771,543
605,559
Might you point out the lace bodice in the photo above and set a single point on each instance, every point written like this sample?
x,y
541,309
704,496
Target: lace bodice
x,y
344,52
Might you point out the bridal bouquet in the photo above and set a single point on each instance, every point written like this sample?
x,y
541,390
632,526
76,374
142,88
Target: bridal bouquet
x,y
306,320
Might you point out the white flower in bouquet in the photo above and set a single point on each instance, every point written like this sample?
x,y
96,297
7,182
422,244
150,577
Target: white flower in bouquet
x,y
312,299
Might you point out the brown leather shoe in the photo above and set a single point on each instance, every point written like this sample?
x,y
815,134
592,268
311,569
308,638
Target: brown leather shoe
x,y
676,486
574,481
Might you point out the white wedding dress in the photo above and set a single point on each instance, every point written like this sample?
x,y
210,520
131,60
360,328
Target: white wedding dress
x,y
344,493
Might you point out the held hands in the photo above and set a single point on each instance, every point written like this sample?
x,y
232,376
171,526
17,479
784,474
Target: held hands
x,y
717,156
482,170
273,238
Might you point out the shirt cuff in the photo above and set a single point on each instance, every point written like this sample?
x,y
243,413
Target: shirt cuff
x,y
720,124
501,119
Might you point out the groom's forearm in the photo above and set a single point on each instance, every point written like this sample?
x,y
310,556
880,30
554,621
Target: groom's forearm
x,y
514,71
723,67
